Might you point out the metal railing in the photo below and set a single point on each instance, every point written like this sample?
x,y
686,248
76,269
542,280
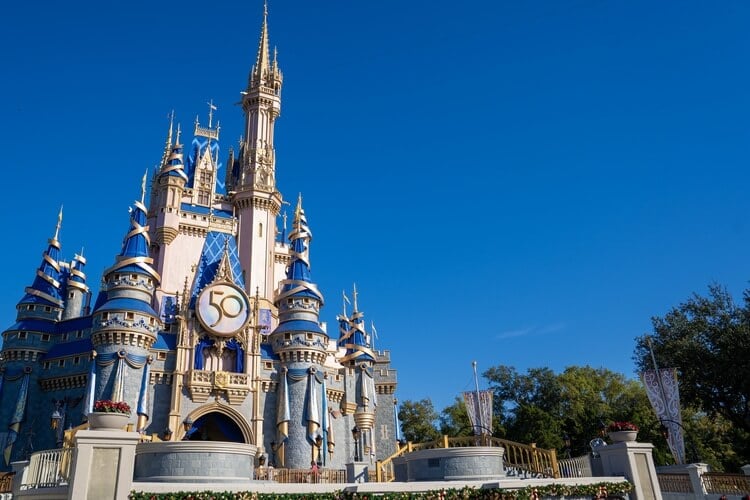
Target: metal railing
x,y
721,482
48,468
575,467
324,476
521,457
675,483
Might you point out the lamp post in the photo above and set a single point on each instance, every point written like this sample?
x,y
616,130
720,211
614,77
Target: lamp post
x,y
664,431
167,434
566,442
318,447
356,434
57,420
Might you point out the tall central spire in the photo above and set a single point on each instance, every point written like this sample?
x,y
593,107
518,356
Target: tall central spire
x,y
262,68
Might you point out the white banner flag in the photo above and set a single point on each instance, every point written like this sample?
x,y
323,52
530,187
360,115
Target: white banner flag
x,y
479,411
664,395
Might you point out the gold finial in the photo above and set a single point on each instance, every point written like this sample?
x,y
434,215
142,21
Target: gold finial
x,y
171,123
284,217
59,223
354,295
265,8
143,186
178,135
345,301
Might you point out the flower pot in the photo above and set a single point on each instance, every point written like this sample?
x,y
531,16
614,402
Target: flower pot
x,y
623,436
108,420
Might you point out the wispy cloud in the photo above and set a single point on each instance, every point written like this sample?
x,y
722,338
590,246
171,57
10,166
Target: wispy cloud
x,y
530,330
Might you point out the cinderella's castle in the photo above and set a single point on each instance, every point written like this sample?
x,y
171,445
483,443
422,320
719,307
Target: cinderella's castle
x,y
207,322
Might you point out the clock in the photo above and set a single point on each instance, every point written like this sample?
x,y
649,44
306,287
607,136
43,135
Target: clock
x,y
223,309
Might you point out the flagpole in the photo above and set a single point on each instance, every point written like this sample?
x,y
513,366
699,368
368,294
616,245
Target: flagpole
x,y
478,405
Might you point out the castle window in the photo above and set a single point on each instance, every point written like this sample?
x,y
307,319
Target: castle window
x,y
22,335
46,365
65,336
61,363
260,229
384,432
47,309
161,356
203,197
310,336
130,315
70,295
79,334
76,360
133,276
151,321
30,307
45,337
287,336
268,365
105,316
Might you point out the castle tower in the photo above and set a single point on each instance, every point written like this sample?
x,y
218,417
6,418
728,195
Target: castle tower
x,y
124,326
77,294
252,185
360,358
300,343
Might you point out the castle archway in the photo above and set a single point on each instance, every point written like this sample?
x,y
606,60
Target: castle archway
x,y
217,422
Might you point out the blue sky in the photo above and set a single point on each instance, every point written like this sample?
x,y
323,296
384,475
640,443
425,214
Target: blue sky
x,y
520,183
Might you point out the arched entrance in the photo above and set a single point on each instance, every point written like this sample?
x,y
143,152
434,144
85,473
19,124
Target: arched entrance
x,y
217,422
215,427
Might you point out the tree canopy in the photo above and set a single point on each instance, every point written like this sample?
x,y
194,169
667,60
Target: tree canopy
x,y
707,340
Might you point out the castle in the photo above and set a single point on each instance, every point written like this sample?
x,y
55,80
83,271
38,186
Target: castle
x,y
207,323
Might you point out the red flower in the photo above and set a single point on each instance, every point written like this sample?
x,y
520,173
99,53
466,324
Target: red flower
x,y
107,406
621,426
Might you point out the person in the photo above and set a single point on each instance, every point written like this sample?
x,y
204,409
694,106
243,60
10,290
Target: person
x,y
314,472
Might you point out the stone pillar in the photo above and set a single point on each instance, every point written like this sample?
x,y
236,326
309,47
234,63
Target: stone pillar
x,y
103,465
695,471
357,472
20,469
635,462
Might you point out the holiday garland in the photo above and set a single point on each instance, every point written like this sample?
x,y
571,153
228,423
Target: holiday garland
x,y
594,491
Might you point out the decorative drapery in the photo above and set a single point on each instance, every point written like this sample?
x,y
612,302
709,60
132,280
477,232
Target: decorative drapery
x,y
200,360
133,360
312,414
328,438
88,404
664,394
239,355
15,421
367,388
142,410
282,417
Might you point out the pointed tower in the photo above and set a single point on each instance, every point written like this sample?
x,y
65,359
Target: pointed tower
x,y
77,294
124,326
253,189
166,192
359,357
300,343
43,299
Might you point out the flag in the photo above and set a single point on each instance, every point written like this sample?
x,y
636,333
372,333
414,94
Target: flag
x,y
663,393
479,409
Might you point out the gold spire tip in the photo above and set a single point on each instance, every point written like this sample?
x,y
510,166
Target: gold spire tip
x,y
59,222
143,186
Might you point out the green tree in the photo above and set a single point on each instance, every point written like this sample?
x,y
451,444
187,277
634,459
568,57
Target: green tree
x,y
454,421
707,340
418,420
543,407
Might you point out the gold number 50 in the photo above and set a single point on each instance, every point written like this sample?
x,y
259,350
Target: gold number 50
x,y
230,310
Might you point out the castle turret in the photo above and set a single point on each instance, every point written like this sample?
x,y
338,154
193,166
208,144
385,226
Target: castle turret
x,y
167,190
252,187
124,325
301,344
77,293
360,357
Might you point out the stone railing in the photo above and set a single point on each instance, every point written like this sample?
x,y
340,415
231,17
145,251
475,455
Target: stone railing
x,y
48,469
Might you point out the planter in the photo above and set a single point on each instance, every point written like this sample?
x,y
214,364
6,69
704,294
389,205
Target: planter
x,y
623,436
107,420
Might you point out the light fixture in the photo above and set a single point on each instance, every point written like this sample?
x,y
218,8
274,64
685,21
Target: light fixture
x,y
167,434
55,419
187,424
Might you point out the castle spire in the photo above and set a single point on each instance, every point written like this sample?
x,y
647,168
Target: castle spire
x,y
262,67
46,285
